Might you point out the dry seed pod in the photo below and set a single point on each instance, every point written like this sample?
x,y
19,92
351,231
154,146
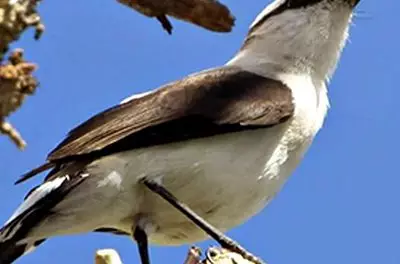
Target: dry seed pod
x,y
16,83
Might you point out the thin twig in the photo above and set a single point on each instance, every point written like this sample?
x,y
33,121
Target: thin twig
x,y
7,129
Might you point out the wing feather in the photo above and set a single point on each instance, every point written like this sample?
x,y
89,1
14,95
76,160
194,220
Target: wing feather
x,y
222,96
217,101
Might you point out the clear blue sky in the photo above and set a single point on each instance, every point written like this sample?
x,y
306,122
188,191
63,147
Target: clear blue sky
x,y
341,205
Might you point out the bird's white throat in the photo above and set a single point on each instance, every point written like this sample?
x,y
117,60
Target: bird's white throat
x,y
306,40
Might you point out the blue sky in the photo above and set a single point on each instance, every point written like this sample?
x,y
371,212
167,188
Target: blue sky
x,y
340,206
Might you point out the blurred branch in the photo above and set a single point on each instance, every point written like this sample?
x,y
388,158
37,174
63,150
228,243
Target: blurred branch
x,y
16,81
209,14
15,17
213,256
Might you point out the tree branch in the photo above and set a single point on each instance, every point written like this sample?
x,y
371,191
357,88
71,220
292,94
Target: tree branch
x,y
213,256
209,14
15,17
16,81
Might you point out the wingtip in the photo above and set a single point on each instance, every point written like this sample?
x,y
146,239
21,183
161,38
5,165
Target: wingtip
x,y
21,179
35,171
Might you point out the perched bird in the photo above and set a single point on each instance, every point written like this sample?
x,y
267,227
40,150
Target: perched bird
x,y
216,145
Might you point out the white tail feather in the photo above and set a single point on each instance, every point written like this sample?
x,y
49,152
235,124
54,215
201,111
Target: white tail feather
x,y
36,195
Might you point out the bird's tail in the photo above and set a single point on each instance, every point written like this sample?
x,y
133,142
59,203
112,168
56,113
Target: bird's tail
x,y
17,237
13,236
11,250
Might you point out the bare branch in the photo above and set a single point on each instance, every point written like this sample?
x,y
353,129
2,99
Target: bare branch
x,y
15,17
7,129
209,14
213,256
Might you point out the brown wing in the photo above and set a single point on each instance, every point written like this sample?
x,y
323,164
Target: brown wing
x,y
222,100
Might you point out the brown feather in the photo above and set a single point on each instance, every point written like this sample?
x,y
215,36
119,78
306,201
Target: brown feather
x,y
213,102
35,171
218,101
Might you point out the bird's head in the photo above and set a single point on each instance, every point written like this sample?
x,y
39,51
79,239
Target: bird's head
x,y
305,36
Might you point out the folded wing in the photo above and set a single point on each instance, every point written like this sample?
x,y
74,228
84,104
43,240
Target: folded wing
x,y
217,101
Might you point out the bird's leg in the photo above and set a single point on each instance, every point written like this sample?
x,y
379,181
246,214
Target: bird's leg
x,y
140,236
212,231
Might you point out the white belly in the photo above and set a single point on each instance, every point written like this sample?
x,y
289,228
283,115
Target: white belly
x,y
225,179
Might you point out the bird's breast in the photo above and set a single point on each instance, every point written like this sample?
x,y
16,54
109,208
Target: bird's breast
x,y
225,179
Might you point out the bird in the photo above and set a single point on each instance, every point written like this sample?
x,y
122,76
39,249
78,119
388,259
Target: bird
x,y
197,156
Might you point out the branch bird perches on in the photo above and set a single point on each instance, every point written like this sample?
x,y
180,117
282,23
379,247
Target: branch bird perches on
x,y
213,256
